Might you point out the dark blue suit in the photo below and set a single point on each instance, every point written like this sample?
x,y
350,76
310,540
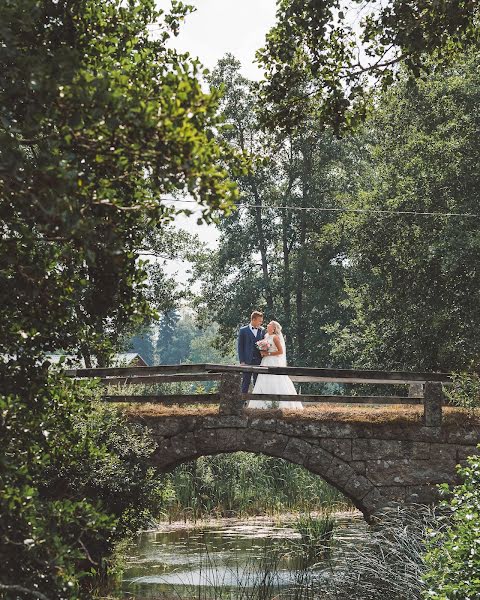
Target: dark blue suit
x,y
248,353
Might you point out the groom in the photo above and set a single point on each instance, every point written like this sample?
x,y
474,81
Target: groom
x,y
248,353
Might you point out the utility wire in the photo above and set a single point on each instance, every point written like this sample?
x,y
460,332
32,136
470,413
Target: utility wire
x,y
350,210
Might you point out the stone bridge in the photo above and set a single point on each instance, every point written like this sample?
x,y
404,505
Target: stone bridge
x,y
374,455
374,464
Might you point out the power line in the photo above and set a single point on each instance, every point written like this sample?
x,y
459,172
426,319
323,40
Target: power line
x,y
341,209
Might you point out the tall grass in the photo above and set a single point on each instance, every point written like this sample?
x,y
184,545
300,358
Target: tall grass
x,y
389,563
261,577
316,536
244,484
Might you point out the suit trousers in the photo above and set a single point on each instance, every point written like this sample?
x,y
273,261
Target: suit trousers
x,y
246,378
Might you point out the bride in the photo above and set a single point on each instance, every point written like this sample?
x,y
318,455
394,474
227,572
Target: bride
x,y
274,356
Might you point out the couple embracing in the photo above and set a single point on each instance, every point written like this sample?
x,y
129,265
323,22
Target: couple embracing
x,y
257,346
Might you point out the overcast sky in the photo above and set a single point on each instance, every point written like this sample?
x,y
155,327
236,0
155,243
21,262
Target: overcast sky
x,y
220,26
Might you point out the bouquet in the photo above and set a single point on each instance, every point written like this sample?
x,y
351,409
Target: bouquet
x,y
263,345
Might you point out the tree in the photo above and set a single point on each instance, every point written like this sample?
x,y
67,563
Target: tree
x,y
290,269
99,122
166,332
413,279
143,344
327,55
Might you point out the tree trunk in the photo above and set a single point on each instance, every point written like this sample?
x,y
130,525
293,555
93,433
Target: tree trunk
x,y
287,309
262,244
302,251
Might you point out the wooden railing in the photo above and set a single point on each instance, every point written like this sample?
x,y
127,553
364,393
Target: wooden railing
x,y
231,401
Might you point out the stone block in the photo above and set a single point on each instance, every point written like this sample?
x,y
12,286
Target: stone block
x,y
357,487
464,436
340,448
206,441
358,466
263,424
224,421
339,473
319,461
421,494
377,449
463,452
372,502
184,445
228,440
170,426
266,442
394,493
404,471
443,451
297,451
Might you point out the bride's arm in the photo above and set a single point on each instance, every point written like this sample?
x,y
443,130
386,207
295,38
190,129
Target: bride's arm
x,y
278,346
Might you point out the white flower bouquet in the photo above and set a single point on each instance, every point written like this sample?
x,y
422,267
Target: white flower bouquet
x,y
263,345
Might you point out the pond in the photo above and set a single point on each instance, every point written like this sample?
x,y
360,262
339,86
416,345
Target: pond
x,y
230,559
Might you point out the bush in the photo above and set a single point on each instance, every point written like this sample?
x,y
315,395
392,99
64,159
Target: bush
x,y
453,558
74,479
465,391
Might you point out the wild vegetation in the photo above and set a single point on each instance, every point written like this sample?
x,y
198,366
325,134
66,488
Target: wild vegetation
x,y
244,484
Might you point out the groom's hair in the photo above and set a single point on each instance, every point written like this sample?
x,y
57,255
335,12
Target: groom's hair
x,y
255,314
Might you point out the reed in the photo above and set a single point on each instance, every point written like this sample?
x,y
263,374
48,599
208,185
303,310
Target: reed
x,y
316,536
259,578
388,563
243,484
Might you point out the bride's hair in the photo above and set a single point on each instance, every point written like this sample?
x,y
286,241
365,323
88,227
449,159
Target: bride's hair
x,y
277,326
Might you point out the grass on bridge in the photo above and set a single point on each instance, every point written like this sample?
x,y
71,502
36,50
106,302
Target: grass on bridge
x,y
376,414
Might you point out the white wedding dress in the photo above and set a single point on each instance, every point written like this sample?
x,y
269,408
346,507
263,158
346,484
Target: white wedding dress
x,y
275,384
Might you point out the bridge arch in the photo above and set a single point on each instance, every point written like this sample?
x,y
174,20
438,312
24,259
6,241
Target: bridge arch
x,y
375,464
206,441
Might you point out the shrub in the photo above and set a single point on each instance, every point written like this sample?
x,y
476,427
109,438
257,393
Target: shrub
x,y
74,479
453,557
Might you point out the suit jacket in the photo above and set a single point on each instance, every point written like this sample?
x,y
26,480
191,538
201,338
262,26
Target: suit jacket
x,y
247,351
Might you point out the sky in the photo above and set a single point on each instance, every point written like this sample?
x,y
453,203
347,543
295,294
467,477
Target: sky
x,y
218,27
221,26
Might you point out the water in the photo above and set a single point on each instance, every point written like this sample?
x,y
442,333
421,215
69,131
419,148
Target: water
x,y
231,559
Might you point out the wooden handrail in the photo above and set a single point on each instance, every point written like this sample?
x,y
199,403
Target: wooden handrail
x,y
208,372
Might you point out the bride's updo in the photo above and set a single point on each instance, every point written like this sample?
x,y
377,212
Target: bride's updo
x,y
277,327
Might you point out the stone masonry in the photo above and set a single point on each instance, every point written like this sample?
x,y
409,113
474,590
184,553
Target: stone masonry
x,y
375,465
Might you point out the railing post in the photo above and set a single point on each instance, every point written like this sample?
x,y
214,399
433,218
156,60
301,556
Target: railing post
x,y
432,404
231,401
415,390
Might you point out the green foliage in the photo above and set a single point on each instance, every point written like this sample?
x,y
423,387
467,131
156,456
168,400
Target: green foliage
x,y
166,330
99,121
412,281
453,551
74,479
464,391
270,257
323,58
143,344
316,535
246,484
